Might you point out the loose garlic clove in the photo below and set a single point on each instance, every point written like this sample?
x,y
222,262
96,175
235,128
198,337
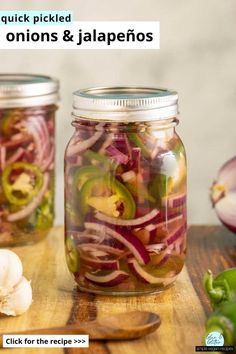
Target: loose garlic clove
x,y
10,271
19,300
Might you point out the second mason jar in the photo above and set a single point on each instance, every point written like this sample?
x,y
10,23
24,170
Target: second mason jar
x,y
27,147
125,191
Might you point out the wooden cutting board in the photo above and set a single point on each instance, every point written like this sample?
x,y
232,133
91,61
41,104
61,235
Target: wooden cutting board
x,y
183,308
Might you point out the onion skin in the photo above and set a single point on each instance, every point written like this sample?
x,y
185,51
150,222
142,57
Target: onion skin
x,y
223,194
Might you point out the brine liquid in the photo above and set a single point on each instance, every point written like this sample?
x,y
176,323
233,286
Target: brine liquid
x,y
27,174
125,207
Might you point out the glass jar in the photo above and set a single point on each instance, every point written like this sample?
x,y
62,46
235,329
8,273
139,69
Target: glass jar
x,y
125,191
27,146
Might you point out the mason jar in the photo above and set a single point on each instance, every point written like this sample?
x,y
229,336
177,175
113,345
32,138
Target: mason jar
x,y
125,191
27,148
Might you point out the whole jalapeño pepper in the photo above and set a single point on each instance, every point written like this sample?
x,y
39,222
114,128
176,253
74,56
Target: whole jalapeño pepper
x,y
222,288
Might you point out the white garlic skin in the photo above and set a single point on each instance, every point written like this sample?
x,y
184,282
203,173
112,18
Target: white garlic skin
x,y
19,300
11,271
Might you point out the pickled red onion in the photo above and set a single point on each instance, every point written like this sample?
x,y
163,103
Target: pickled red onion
x,y
167,223
130,241
117,155
83,145
44,147
101,247
2,157
108,141
175,235
127,222
16,156
99,264
112,279
144,276
174,201
156,248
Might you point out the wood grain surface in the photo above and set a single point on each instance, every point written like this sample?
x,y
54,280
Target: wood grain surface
x,y
183,307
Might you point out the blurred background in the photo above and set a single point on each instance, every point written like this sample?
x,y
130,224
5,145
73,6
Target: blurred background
x,y
197,58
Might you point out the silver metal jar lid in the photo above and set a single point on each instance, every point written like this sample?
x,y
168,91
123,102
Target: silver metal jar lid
x,y
25,90
125,104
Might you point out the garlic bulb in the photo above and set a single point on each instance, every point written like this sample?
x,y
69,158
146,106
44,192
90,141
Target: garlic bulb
x,y
18,301
15,290
10,271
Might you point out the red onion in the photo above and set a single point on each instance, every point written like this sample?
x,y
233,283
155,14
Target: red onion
x,y
178,246
13,142
47,161
143,235
156,247
160,258
117,155
94,252
16,156
128,147
101,247
85,237
162,229
130,241
124,222
83,145
155,150
223,194
98,264
174,201
136,157
28,209
164,224
129,176
144,276
179,232
121,142
112,279
2,157
108,141
44,147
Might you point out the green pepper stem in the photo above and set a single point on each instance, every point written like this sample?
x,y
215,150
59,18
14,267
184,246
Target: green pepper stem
x,y
215,293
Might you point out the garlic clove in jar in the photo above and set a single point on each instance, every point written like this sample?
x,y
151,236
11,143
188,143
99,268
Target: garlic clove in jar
x,y
10,271
18,301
